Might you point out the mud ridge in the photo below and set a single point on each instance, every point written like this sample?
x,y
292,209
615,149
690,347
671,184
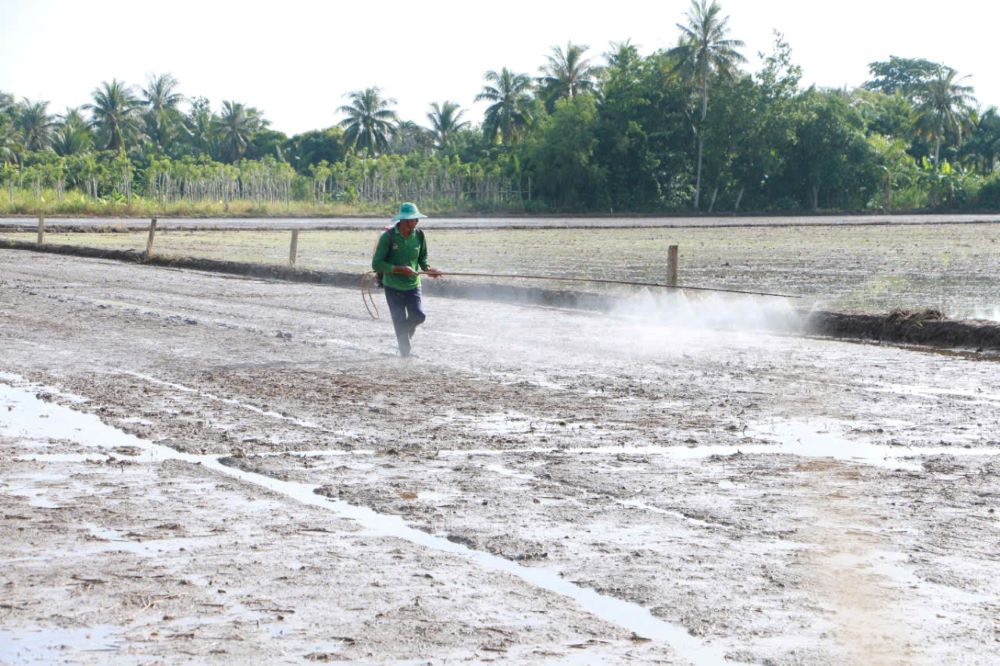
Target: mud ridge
x,y
927,327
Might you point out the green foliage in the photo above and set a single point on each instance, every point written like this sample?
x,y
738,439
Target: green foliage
x,y
632,133
989,194
306,150
902,76
560,157
831,164
948,187
898,172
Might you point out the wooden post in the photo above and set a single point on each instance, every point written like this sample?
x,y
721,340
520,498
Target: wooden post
x,y
149,241
293,251
41,228
672,265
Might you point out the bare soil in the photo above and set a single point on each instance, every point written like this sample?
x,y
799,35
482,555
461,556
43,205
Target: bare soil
x,y
537,485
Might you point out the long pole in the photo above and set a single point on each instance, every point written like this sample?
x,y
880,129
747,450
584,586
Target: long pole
x,y
625,282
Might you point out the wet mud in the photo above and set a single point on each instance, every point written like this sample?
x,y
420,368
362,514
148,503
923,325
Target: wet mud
x,y
217,468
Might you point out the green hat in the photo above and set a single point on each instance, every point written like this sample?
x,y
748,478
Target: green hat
x,y
408,211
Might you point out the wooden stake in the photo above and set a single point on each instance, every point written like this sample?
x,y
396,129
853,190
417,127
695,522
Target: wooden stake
x,y
149,241
41,228
293,251
672,265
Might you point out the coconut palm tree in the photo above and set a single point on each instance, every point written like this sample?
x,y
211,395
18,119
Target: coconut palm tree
x,y
115,115
446,120
705,50
236,128
944,107
567,73
510,111
72,134
34,124
161,100
369,122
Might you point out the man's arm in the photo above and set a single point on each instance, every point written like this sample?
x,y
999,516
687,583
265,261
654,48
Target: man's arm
x,y
379,263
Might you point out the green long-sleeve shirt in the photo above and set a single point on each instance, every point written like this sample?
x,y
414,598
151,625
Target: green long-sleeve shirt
x,y
410,252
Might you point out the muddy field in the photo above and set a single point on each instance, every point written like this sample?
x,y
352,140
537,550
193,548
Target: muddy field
x,y
216,469
951,267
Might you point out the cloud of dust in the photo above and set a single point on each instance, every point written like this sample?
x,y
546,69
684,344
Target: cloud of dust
x,y
707,310
987,313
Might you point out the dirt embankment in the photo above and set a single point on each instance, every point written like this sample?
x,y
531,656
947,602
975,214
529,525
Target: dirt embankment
x,y
927,327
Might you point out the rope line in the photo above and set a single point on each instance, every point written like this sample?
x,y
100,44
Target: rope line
x,y
368,284
625,282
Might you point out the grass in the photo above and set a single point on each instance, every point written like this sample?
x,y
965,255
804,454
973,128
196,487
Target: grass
x,y
873,268
75,203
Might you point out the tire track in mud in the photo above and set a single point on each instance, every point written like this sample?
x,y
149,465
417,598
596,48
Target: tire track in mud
x,y
867,609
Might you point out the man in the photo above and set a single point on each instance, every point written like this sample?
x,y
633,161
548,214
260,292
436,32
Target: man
x,y
400,251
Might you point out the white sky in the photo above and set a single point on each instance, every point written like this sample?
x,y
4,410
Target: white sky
x,y
296,59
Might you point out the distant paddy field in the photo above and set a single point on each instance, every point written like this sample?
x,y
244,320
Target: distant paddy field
x,y
861,263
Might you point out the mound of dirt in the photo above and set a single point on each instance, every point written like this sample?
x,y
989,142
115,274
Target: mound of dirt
x,y
924,327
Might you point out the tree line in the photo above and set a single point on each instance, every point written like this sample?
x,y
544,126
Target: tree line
x,y
680,129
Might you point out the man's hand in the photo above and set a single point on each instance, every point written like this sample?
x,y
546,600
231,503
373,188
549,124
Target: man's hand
x,y
433,272
404,270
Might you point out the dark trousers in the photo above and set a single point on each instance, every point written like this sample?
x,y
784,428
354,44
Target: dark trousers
x,y
407,313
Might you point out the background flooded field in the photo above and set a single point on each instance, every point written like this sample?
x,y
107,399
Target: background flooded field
x,y
864,264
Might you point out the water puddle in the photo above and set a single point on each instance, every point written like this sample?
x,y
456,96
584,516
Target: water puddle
x,y
48,645
88,430
820,438
36,498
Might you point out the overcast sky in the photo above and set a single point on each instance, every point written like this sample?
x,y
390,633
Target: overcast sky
x,y
296,60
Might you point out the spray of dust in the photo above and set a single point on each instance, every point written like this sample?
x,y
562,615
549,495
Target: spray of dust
x,y
546,344
986,313
706,310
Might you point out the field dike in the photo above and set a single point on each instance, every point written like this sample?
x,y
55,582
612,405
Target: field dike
x,y
924,327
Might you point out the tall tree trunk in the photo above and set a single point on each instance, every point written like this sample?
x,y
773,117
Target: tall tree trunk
x,y
701,143
739,198
937,146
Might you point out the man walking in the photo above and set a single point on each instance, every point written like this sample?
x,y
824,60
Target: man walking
x,y
400,252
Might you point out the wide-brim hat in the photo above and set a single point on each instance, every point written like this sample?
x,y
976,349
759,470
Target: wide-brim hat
x,y
408,211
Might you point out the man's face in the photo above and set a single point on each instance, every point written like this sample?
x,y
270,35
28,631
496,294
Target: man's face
x,y
407,226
